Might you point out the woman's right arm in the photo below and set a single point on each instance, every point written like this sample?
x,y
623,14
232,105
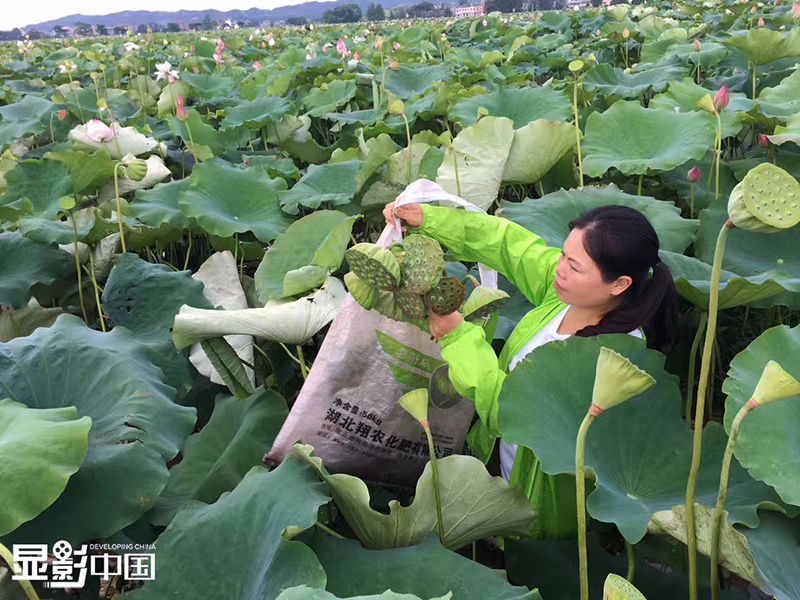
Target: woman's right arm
x,y
519,255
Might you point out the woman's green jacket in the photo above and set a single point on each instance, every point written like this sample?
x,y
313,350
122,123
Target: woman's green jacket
x,y
477,373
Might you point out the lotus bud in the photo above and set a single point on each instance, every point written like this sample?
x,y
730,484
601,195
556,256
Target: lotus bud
x,y
257,66
485,23
796,9
767,200
694,175
375,265
697,45
619,588
617,379
180,109
753,10
775,384
136,169
482,302
394,66
760,22
626,33
341,47
324,49
396,45
415,403
61,114
356,56
763,140
722,98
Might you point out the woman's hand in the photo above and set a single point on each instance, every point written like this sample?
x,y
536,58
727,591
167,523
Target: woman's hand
x,y
442,325
410,214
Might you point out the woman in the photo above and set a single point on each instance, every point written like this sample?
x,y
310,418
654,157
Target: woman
x,y
607,279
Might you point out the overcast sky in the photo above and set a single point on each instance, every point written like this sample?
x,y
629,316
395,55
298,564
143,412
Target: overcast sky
x,y
18,14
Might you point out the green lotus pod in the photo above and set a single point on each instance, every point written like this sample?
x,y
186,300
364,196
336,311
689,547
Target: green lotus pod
x,y
616,380
482,302
412,305
136,169
775,384
619,588
767,200
447,296
398,251
415,403
422,264
375,265
362,292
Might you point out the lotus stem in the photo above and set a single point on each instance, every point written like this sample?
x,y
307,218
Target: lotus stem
x,y
52,135
188,252
719,155
455,165
408,138
577,128
639,187
302,361
436,492
97,294
78,267
723,492
701,327
691,201
191,141
330,531
119,207
631,561
580,496
26,586
708,347
755,75
77,99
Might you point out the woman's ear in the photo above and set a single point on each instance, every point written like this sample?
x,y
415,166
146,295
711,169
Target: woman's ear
x,y
620,285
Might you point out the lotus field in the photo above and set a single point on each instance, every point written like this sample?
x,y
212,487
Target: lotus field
x,y
183,215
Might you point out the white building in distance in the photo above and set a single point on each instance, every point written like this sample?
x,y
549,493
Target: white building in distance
x,y
472,10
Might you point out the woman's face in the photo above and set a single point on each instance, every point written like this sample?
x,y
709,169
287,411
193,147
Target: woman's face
x,y
579,282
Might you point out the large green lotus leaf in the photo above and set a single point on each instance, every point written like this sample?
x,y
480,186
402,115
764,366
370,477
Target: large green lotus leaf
x,y
610,80
136,426
763,46
43,182
209,86
469,498
549,216
303,592
775,546
536,148
90,223
41,450
412,80
789,133
23,117
693,281
685,94
304,255
245,532
783,100
145,297
87,171
358,117
425,569
768,444
23,321
622,137
194,132
710,54
641,462
328,97
481,152
159,205
334,184
24,263
397,173
226,200
236,438
750,253
520,105
256,113
552,565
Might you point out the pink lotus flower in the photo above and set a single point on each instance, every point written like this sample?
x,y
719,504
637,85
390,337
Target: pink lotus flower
x,y
796,9
626,33
324,49
396,45
218,57
341,47
356,56
753,10
697,45
722,98
694,175
62,114
763,140
375,43
257,66
485,23
180,109
99,131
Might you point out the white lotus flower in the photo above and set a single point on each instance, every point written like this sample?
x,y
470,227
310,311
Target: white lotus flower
x,y
257,32
271,42
66,67
124,140
130,46
99,131
165,70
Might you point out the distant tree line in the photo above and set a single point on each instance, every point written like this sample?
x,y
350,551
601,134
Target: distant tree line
x,y
343,13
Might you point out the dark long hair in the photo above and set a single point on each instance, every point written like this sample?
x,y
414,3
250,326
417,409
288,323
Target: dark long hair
x,y
621,241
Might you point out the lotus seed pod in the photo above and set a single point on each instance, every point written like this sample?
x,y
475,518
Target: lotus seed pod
x,y
482,302
399,252
136,169
447,296
362,292
415,403
375,265
619,588
422,264
413,305
775,384
767,200
616,380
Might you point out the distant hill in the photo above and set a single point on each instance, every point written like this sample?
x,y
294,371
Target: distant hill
x,y
312,11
